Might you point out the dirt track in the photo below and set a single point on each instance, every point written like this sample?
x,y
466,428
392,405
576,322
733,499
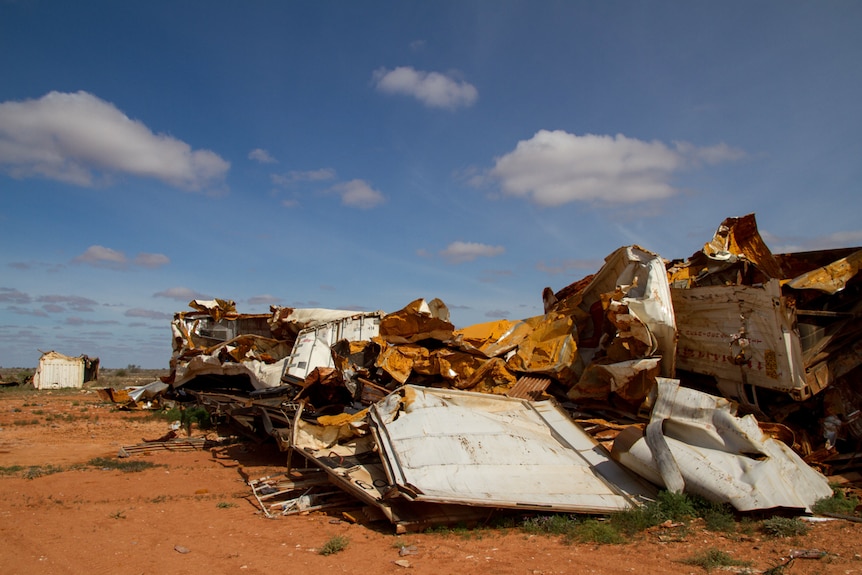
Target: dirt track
x,y
192,513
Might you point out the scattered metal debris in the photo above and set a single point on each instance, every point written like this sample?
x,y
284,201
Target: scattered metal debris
x,y
426,423
172,444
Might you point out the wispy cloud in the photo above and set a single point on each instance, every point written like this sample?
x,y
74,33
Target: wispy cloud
x,y
80,139
433,89
497,313
26,311
181,294
460,252
81,321
12,295
264,299
76,303
358,194
262,156
557,267
783,244
494,276
555,167
295,176
152,260
147,313
102,257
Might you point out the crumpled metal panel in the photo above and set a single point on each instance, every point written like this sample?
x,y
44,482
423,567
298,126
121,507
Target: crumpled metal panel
x,y
751,319
695,443
830,278
623,314
451,446
261,374
738,237
417,321
740,334
312,348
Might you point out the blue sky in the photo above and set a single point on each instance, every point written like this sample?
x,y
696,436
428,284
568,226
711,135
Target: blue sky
x,y
360,155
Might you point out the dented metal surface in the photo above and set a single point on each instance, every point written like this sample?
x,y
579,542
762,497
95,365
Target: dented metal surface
x,y
753,320
740,335
215,345
312,348
624,325
483,415
695,443
451,446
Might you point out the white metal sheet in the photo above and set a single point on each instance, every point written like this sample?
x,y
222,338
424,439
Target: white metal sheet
x,y
312,347
469,448
694,443
740,334
58,371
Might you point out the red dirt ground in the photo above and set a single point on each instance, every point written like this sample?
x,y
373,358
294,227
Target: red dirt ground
x,y
194,514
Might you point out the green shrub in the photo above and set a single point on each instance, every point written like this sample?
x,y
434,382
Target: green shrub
x,y
11,470
837,503
712,558
186,416
335,544
594,531
556,524
35,471
675,506
719,519
638,519
784,527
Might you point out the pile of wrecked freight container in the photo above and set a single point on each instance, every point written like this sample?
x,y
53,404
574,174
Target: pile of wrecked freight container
x,y
733,375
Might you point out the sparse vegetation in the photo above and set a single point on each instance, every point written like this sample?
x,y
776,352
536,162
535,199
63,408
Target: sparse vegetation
x,y
186,416
837,503
677,508
335,544
26,422
225,504
594,531
712,558
124,465
783,527
35,471
550,524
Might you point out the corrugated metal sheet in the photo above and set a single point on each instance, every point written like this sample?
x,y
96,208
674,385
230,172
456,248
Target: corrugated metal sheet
x,y
469,448
531,388
57,371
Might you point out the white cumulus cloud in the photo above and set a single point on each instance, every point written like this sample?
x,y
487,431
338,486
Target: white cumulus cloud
x,y
459,252
101,256
555,167
78,138
358,194
262,156
433,89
